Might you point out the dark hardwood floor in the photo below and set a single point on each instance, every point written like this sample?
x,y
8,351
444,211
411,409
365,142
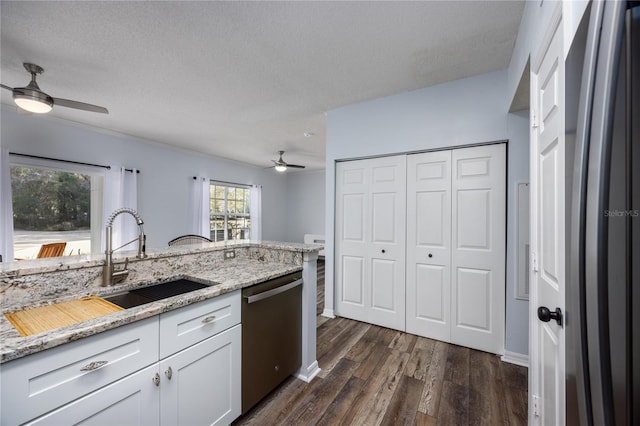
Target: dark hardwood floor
x,y
373,375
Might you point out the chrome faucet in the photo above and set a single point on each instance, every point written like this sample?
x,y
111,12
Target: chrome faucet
x,y
110,275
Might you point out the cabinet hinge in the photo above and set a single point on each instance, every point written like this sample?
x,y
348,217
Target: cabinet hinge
x,y
536,405
534,121
534,261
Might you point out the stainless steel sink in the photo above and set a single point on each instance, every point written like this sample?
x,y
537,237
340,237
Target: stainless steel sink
x,y
140,296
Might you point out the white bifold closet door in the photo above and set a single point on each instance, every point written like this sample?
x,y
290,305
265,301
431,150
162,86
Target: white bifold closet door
x,y
456,212
429,244
370,234
478,247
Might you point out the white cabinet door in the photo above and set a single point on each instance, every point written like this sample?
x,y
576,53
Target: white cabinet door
x,y
130,401
201,384
478,235
39,383
370,240
429,244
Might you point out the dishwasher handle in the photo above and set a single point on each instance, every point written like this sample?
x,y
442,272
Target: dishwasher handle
x,y
272,292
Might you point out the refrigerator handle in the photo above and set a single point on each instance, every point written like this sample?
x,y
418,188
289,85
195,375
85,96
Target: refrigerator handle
x,y
597,200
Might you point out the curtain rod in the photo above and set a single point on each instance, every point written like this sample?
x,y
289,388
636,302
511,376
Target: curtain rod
x,y
66,161
241,185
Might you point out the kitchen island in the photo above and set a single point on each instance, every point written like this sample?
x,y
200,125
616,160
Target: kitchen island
x,y
224,267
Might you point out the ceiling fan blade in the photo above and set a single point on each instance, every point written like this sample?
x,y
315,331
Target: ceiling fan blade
x,y
80,105
6,87
295,166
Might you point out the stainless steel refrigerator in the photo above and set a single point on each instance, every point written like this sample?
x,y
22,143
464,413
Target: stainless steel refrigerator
x,y
603,294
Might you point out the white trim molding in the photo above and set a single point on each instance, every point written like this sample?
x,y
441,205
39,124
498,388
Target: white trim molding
x,y
515,358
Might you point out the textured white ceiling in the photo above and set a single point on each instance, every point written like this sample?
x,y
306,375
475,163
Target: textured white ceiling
x,y
242,80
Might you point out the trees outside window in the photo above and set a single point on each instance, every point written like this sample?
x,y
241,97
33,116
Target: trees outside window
x,y
49,206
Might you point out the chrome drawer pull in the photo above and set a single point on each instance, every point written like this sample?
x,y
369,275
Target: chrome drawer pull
x,y
169,373
209,319
94,365
156,379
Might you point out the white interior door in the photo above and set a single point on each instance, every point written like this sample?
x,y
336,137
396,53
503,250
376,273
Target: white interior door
x,y
370,240
478,240
429,244
548,229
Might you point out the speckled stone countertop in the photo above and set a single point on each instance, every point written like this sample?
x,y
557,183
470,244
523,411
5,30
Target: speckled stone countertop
x,y
255,262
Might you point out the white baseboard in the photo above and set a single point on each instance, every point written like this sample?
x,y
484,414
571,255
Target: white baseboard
x,y
516,358
307,374
328,313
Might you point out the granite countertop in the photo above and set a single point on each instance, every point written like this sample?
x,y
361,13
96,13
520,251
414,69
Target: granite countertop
x,y
83,261
229,276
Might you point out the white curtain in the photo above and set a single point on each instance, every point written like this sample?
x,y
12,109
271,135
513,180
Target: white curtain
x,y
120,190
200,207
6,208
256,212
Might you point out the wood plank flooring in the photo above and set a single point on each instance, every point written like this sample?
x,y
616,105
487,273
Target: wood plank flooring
x,y
377,376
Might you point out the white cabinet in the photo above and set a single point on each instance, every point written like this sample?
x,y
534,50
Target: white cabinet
x,y
39,383
120,377
452,249
201,385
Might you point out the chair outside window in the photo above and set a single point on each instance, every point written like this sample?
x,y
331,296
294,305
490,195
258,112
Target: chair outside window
x,y
189,239
52,250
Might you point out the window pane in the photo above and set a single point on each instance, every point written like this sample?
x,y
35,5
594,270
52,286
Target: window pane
x,y
217,228
236,213
50,206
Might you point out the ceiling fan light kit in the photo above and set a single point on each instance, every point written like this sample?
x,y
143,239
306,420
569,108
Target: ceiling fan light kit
x,y
32,99
281,166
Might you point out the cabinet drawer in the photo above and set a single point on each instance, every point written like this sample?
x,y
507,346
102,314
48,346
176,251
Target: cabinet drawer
x,y
184,327
38,383
130,401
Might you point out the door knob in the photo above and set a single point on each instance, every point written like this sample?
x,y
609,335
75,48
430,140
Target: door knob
x,y
430,255
384,251
545,315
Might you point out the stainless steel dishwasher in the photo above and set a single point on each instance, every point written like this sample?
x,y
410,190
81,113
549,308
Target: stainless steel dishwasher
x,y
271,335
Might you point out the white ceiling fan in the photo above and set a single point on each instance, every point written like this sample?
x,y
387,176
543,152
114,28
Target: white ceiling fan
x,y
32,99
280,165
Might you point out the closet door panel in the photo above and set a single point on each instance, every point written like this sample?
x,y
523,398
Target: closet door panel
x,y
382,277
428,296
473,289
352,223
370,240
431,293
478,252
353,274
386,253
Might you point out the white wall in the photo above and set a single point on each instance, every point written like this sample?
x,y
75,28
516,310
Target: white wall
x,y
305,204
166,172
467,111
517,314
535,20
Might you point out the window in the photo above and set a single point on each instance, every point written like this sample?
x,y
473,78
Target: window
x,y
230,212
51,206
